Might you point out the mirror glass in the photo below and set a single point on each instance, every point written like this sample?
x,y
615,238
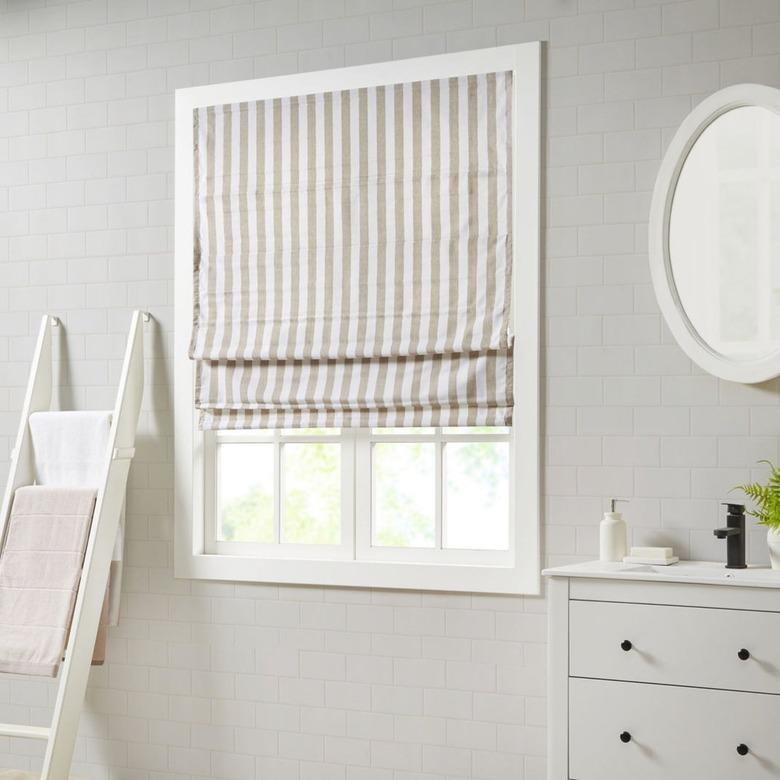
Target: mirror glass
x,y
724,234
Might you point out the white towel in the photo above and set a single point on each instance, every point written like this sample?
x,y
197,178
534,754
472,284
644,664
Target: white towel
x,y
70,447
70,450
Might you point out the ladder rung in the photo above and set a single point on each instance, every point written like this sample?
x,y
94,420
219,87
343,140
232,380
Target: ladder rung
x,y
30,732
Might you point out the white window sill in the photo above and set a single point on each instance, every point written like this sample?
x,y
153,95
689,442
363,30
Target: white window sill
x,y
360,574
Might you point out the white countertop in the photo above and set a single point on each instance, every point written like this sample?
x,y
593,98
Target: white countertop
x,y
700,572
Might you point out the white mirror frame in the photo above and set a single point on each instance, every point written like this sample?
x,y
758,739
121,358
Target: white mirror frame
x,y
745,371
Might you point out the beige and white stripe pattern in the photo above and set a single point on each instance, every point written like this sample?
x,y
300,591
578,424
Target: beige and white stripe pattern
x,y
353,257
452,390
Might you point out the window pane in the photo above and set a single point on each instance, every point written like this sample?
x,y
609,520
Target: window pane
x,y
245,493
476,515
404,505
311,474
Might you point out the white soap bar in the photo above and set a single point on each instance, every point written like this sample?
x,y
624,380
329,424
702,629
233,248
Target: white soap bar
x,y
651,561
652,552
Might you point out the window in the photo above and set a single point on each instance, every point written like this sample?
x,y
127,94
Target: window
x,y
363,494
450,503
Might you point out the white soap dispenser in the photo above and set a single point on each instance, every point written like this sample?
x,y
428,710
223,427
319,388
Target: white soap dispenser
x,y
613,534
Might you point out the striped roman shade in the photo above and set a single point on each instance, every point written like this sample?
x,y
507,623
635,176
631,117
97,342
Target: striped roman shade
x,y
352,261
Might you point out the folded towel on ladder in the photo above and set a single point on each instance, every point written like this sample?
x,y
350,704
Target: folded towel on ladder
x,y
69,450
40,569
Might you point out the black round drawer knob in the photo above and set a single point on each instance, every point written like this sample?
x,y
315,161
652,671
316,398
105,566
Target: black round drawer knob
x,y
743,654
626,737
743,749
626,645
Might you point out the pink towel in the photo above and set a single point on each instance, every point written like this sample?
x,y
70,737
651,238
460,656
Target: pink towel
x,y
40,569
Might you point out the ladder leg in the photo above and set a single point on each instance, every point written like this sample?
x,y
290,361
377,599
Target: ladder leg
x,y
74,673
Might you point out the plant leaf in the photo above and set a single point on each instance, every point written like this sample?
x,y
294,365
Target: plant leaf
x,y
766,498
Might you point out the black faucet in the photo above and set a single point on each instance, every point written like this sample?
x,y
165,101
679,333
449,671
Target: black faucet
x,y
734,534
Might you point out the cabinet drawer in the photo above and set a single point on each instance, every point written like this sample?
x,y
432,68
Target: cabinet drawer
x,y
675,733
675,645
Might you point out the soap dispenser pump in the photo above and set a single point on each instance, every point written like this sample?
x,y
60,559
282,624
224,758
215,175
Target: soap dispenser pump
x,y
613,534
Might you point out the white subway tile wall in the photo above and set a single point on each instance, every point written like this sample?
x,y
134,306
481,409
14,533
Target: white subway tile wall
x,y
235,682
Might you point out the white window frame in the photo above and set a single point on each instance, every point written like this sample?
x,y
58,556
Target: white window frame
x,y
520,570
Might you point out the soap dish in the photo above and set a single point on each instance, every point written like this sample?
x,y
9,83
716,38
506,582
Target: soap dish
x,y
651,561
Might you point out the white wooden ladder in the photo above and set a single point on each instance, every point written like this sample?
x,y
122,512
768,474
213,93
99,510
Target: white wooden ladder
x,y
60,737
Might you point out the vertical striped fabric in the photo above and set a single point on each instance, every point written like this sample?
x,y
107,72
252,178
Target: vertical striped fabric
x,y
352,257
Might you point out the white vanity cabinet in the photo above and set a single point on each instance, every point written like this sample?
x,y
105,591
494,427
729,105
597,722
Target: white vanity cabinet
x,y
663,673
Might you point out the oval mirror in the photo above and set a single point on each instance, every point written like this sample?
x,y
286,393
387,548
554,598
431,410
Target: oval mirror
x,y
715,234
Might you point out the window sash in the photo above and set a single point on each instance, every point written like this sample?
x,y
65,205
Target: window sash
x,y
278,549
357,508
367,551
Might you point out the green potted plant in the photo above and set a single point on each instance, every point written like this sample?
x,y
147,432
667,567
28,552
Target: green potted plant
x,y
766,500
